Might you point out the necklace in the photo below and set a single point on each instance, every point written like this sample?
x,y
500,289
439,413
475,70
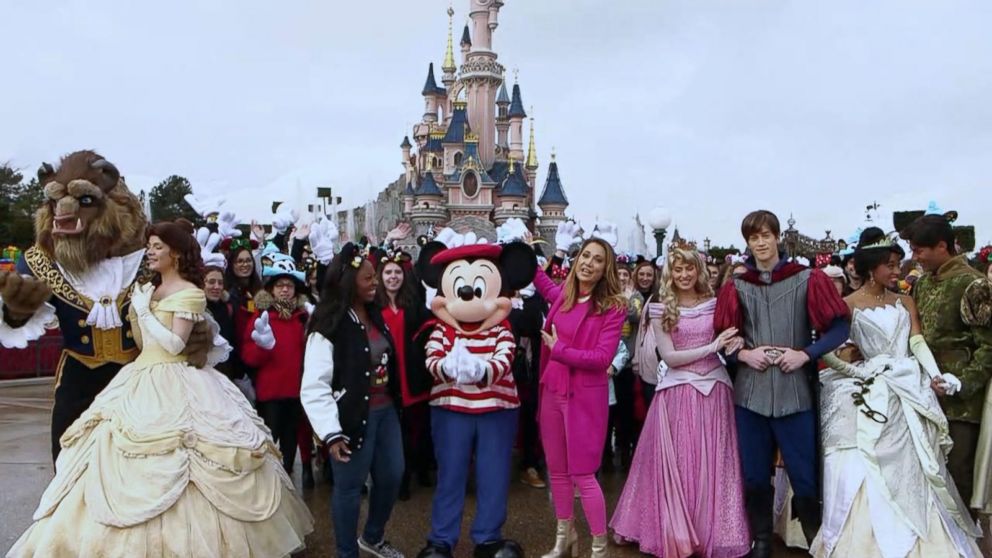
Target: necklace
x,y
878,297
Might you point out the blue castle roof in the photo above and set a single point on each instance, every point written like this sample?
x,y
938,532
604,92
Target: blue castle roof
x,y
515,184
517,104
553,194
457,127
428,187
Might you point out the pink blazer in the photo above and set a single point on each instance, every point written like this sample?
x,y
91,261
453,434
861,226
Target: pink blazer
x,y
588,358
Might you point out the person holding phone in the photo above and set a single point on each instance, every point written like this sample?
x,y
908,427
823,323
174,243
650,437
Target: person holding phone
x,y
350,392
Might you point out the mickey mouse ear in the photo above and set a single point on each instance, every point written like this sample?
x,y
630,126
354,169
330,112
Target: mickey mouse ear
x,y
951,216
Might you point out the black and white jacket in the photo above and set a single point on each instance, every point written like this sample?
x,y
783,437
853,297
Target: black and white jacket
x,y
337,380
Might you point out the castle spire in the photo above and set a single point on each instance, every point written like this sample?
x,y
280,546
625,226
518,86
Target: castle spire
x,y
532,148
449,66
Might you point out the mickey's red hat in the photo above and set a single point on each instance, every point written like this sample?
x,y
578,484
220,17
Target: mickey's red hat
x,y
479,251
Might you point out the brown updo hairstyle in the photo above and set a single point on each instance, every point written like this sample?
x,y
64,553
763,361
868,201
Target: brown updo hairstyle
x,y
178,236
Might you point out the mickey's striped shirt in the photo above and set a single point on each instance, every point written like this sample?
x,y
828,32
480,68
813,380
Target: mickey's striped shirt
x,y
495,392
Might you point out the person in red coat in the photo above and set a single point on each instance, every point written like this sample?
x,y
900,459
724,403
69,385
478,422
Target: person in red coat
x,y
273,344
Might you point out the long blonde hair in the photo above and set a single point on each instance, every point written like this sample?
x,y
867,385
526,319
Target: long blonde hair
x,y
667,291
607,294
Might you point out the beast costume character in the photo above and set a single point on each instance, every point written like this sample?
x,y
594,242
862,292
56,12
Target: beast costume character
x,y
780,308
474,401
89,247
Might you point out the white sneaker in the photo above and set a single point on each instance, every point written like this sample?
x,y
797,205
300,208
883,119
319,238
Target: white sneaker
x,y
381,550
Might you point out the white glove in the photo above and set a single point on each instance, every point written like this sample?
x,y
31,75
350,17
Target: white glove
x,y
309,307
141,299
284,218
446,236
473,369
208,242
513,230
606,231
323,234
205,206
262,334
227,225
517,303
568,235
951,383
301,229
451,363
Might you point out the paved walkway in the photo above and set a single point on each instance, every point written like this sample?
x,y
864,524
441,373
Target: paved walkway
x,y
25,469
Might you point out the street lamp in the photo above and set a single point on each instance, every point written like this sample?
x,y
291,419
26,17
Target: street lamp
x,y
706,245
659,219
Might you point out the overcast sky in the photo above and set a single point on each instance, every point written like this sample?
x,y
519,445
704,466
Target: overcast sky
x,y
708,108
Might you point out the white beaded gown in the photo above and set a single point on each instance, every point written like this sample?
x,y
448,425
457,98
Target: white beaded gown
x,y
887,492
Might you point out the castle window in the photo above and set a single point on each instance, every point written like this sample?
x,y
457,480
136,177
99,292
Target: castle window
x,y
470,185
458,159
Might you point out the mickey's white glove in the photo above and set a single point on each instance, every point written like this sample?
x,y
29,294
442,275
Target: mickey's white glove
x,y
513,230
284,218
568,235
141,299
951,383
227,225
606,231
452,363
208,242
323,234
473,369
262,333
204,207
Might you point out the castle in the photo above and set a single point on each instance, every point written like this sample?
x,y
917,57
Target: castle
x,y
465,167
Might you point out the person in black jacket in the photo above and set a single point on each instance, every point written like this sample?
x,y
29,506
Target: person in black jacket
x,y
526,320
405,313
222,311
351,393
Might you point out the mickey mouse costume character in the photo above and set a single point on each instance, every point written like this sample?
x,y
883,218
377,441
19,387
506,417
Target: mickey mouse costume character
x,y
474,402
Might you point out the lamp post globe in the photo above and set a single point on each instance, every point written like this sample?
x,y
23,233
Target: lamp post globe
x,y
659,219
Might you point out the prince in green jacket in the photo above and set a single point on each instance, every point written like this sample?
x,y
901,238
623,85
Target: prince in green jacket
x,y
955,305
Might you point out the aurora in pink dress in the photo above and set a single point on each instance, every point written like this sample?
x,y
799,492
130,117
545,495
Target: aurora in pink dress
x,y
685,493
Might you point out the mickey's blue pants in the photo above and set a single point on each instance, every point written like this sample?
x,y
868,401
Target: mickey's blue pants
x,y
490,436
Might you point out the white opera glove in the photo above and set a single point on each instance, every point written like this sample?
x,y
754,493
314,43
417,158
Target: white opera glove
x,y
262,333
918,346
141,296
833,361
568,234
141,299
323,234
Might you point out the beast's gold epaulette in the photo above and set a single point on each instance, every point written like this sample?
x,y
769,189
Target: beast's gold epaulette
x,y
44,269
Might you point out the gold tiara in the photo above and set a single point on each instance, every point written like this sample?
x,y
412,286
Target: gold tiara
x,y
682,244
887,241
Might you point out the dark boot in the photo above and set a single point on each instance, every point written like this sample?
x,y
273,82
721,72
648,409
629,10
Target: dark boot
x,y
307,475
498,549
404,494
435,551
808,512
759,515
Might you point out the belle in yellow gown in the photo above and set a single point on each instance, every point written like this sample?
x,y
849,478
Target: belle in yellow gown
x,y
169,460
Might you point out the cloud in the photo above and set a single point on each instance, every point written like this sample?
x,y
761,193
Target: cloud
x,y
709,108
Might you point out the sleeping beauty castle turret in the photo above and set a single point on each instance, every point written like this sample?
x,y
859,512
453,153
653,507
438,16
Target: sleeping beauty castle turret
x,y
465,164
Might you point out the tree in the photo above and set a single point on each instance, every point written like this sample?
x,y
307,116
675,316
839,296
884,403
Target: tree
x,y
18,203
167,203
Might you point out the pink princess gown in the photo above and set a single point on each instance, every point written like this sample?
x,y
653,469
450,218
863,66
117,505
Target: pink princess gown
x,y
685,494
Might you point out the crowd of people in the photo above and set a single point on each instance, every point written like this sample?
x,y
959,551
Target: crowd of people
x,y
736,395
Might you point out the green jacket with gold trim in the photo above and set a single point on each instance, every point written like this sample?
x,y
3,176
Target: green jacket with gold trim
x,y
955,306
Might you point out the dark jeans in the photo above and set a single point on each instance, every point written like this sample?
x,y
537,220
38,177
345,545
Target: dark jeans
x,y
382,456
961,459
625,422
282,416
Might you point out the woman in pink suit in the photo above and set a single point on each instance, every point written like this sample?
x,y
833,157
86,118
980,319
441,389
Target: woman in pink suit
x,y
580,340
684,495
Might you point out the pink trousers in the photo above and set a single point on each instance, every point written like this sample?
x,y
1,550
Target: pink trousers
x,y
556,437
